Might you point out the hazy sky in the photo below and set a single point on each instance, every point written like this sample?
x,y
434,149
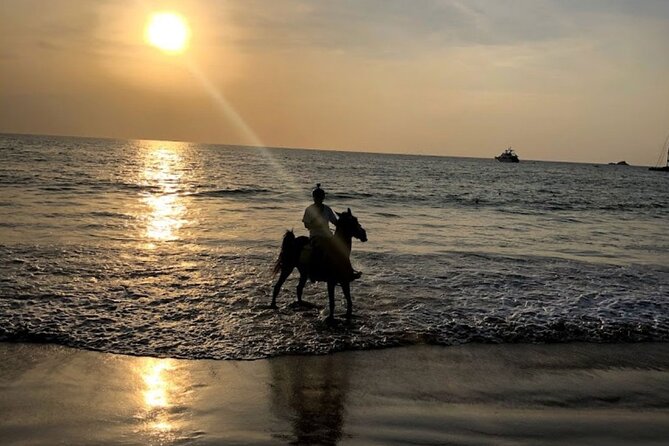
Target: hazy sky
x,y
579,80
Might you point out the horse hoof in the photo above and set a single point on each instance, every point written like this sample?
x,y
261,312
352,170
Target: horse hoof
x,y
273,306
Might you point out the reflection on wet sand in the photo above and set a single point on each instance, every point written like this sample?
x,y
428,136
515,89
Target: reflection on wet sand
x,y
163,391
310,393
163,169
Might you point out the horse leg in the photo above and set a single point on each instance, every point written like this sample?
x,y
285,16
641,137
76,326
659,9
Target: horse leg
x,y
331,290
279,283
346,288
300,287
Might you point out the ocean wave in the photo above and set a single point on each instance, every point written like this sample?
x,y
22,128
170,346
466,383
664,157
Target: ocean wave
x,y
349,195
108,214
329,339
215,304
132,186
527,205
243,191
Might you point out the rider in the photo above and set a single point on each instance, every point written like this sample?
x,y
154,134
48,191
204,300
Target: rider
x,y
316,219
318,215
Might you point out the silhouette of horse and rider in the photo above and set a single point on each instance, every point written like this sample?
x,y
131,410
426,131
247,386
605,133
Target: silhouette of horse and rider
x,y
321,257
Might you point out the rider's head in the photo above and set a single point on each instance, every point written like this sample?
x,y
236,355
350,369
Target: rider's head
x,y
318,194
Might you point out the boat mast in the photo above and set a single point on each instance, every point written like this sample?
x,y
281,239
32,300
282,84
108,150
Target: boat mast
x,y
665,146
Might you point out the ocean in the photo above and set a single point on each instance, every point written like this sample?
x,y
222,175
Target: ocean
x,y
166,248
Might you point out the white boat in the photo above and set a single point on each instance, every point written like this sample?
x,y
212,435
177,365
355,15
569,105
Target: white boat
x,y
508,156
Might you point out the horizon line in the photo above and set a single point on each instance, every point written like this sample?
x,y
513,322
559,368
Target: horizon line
x,y
316,149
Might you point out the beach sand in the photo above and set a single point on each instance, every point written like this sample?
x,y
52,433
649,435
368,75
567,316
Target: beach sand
x,y
472,395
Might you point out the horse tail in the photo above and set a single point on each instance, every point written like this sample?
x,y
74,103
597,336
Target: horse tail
x,y
287,253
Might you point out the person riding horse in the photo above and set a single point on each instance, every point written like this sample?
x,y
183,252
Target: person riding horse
x,y
324,257
316,219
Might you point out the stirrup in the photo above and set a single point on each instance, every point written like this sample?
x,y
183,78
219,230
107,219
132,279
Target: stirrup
x,y
356,274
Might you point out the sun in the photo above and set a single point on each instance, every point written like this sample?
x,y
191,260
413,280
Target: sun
x,y
167,31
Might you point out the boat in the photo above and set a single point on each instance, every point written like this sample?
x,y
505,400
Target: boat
x,y
658,167
508,156
619,163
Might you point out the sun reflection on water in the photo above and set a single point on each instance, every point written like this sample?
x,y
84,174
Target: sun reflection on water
x,y
163,169
165,217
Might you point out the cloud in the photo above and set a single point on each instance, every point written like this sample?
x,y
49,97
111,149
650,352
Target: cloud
x,y
375,29
391,26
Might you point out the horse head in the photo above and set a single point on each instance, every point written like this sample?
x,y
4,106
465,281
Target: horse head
x,y
349,226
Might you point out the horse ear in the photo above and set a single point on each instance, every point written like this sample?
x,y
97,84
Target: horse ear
x,y
349,210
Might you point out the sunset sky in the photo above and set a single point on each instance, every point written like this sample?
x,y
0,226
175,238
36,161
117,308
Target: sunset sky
x,y
581,80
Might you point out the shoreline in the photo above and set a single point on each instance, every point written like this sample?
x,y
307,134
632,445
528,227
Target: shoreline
x,y
469,394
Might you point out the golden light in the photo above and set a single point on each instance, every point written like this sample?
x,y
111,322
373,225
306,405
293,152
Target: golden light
x,y
167,31
165,215
160,393
165,210
156,393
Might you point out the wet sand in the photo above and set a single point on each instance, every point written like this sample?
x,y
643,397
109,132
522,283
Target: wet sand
x,y
471,395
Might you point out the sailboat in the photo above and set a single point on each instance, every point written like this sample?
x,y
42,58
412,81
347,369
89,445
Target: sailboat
x,y
658,166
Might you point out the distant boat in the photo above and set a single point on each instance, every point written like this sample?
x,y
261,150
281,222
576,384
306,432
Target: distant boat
x,y
659,167
619,163
508,156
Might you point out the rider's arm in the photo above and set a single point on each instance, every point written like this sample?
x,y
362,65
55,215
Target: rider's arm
x,y
332,217
307,219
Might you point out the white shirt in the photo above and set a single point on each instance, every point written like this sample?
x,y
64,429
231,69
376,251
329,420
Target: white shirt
x,y
316,220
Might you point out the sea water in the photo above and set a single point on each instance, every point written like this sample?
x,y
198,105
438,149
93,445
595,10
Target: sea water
x,y
166,248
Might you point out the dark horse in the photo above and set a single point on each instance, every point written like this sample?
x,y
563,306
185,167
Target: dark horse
x,y
296,252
